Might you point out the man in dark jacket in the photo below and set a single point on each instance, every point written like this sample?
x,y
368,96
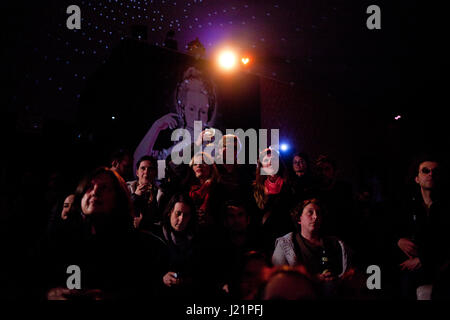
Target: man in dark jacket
x,y
421,233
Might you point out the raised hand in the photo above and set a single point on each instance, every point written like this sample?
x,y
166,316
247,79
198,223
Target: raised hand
x,y
167,121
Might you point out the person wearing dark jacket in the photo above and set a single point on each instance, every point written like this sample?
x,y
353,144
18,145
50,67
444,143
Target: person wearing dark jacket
x,y
423,223
101,242
237,237
301,181
173,246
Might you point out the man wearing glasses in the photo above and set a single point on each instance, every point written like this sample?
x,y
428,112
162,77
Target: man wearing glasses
x,y
422,232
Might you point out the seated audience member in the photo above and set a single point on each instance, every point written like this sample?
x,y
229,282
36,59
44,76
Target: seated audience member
x,y
325,258
145,193
423,223
248,280
175,181
122,162
238,238
272,198
67,206
102,246
61,214
173,243
235,179
202,183
337,197
289,283
301,181
238,228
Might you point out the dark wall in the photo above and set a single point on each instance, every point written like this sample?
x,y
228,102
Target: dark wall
x,y
137,86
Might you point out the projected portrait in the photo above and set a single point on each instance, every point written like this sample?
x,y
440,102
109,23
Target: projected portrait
x,y
194,100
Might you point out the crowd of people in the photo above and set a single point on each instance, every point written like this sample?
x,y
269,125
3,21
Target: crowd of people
x,y
237,231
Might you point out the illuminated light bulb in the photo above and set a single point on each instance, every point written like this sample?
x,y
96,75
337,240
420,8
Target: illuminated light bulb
x,y
227,60
284,147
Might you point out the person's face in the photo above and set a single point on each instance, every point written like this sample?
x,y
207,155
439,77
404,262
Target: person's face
x,y
100,197
326,170
236,219
180,216
299,165
267,165
196,106
146,172
311,218
68,202
124,166
201,170
427,175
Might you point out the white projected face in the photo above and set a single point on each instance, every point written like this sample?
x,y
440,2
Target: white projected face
x,y
269,166
195,104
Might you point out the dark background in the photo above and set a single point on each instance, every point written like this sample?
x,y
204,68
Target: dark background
x,y
340,81
327,82
137,85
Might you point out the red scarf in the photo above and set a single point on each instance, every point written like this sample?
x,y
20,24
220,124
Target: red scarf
x,y
200,195
273,187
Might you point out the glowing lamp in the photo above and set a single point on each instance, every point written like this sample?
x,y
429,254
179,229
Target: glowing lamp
x,y
227,60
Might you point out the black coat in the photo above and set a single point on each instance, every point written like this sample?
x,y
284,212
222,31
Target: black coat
x,y
109,262
197,263
428,230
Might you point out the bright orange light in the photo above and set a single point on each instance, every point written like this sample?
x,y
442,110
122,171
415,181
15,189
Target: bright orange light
x,y
245,60
227,60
